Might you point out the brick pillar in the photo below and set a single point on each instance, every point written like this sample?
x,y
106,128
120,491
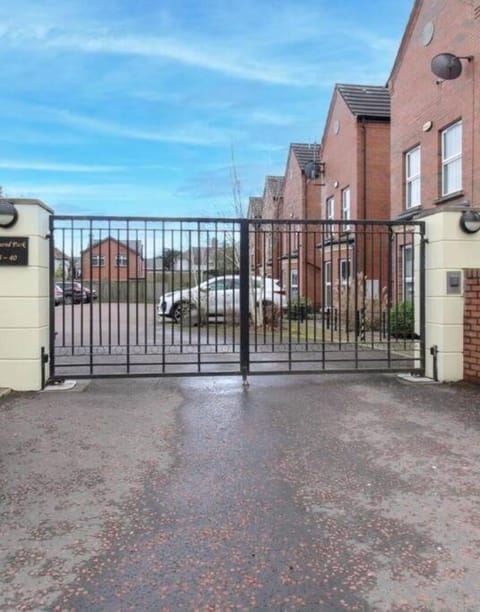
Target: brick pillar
x,y
24,297
471,326
449,250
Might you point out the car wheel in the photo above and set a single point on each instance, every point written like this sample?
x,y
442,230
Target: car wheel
x,y
180,311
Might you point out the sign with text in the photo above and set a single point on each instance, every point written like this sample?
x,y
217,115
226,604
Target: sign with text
x,y
13,251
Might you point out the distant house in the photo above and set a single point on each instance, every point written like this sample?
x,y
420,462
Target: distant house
x,y
154,264
62,264
256,244
301,200
267,259
113,260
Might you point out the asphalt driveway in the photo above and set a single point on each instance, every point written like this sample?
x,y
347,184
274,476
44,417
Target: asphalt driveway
x,y
319,493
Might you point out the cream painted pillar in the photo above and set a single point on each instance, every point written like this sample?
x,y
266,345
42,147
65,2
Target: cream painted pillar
x,y
24,300
448,249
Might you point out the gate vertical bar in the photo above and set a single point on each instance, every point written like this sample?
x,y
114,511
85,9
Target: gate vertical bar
x,y
52,295
244,302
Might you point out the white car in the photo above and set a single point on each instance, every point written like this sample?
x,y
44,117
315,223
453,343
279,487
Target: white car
x,y
219,295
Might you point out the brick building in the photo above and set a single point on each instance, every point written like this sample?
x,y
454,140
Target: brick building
x,y
301,200
256,244
355,186
435,122
265,243
113,260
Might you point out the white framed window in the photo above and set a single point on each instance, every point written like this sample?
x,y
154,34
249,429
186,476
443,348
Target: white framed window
x,y
121,261
452,159
294,283
327,284
346,207
330,212
98,261
344,271
408,272
412,178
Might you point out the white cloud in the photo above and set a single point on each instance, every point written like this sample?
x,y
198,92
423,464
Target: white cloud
x,y
7,164
194,133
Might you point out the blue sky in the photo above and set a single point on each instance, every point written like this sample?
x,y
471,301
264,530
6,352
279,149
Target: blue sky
x,y
122,107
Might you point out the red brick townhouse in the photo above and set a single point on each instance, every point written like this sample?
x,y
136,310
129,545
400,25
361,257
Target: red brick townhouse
x,y
435,156
113,260
355,186
256,244
435,121
301,200
264,238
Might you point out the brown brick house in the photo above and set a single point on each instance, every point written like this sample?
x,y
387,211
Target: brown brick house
x,y
256,244
301,200
113,260
265,240
355,186
435,123
435,156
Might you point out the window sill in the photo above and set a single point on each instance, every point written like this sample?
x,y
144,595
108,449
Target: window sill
x,y
449,197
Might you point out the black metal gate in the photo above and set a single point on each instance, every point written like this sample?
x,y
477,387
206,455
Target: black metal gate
x,y
182,297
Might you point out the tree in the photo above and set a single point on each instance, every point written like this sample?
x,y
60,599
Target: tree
x,y
170,256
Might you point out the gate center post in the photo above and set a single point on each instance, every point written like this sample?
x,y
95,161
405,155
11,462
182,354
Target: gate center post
x,y
244,301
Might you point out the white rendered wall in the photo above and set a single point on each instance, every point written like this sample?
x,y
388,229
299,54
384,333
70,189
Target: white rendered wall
x,y
24,301
448,249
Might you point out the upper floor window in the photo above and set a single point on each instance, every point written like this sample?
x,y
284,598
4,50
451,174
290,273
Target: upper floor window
x,y
121,261
346,207
412,178
452,159
330,213
98,261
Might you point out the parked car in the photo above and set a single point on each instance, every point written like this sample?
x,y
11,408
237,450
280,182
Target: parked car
x,y
219,295
75,292
58,295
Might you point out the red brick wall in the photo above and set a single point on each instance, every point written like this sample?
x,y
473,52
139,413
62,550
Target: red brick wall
x,y
471,326
340,155
417,98
359,152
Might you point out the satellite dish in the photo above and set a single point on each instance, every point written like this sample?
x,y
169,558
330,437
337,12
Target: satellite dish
x,y
447,66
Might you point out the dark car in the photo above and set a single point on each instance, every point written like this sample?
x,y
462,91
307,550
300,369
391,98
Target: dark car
x,y
74,292
58,295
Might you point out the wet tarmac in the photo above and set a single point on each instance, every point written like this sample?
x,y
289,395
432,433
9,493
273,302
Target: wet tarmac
x,y
316,493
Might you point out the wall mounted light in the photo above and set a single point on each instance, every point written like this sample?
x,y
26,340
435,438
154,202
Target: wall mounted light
x,y
470,221
8,214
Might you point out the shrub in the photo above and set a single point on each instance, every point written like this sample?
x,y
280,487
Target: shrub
x,y
402,320
299,308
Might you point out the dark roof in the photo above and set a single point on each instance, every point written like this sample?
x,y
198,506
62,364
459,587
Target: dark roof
x,y
274,184
366,100
133,245
305,153
255,207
